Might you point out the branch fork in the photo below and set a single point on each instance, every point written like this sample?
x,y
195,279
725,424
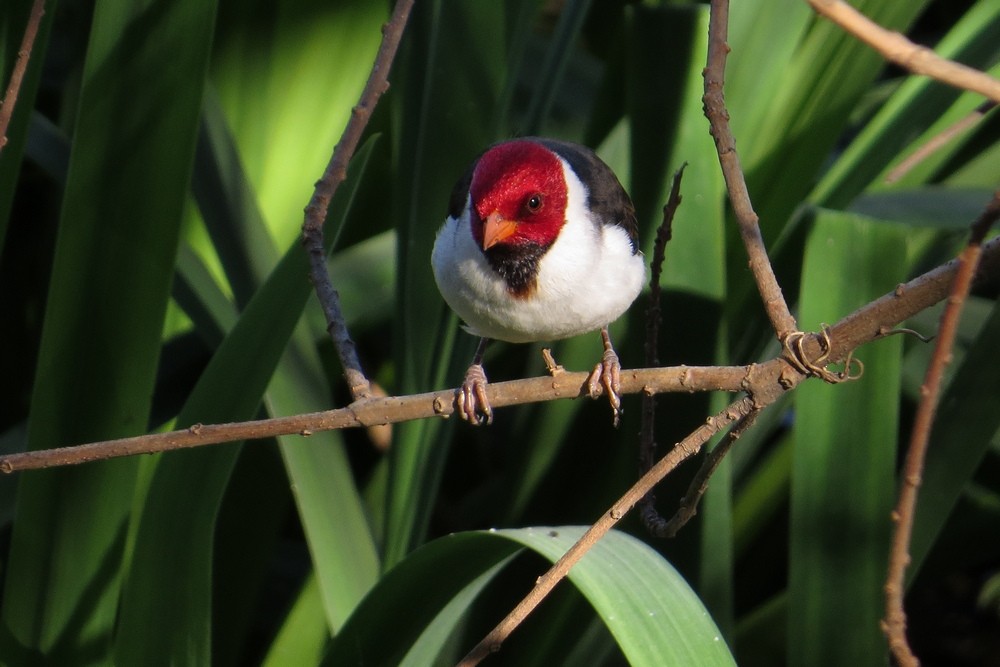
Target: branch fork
x,y
796,355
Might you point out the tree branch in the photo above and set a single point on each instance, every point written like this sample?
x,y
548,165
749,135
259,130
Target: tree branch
x,y
336,172
699,484
897,48
894,624
20,67
725,144
940,140
869,323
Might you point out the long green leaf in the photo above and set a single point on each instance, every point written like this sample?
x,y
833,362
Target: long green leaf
x,y
844,454
114,262
287,73
824,80
966,423
443,60
916,104
650,610
177,511
345,560
343,551
304,634
764,37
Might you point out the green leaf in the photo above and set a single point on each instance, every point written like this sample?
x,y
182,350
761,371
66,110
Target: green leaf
x,y
809,110
228,205
649,609
917,104
442,60
287,74
844,454
304,634
345,560
177,512
114,261
764,37
669,129
966,423
553,66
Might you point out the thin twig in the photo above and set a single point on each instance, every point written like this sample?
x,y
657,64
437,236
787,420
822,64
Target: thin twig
x,y
699,485
725,144
336,172
894,624
940,140
896,48
20,67
647,438
545,583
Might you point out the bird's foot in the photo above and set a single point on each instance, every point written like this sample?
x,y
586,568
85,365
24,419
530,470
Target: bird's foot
x,y
550,363
606,376
471,402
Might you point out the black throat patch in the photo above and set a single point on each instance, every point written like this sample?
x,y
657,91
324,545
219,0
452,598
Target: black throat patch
x,y
517,265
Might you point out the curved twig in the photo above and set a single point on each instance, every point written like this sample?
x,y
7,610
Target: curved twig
x,y
896,48
894,624
725,144
333,176
20,67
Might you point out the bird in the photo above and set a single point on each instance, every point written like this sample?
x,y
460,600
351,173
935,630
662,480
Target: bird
x,y
540,244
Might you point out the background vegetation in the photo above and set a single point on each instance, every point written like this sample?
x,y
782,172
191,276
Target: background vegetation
x,y
150,278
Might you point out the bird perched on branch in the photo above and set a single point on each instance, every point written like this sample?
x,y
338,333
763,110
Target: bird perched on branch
x,y
540,244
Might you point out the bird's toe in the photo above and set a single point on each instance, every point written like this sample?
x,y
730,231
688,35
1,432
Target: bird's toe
x,y
472,404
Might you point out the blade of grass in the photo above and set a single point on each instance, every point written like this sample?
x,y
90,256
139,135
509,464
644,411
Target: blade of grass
x,y
966,423
432,78
550,72
915,105
810,108
341,544
228,205
764,38
669,129
345,559
285,125
304,633
160,620
649,609
114,262
844,454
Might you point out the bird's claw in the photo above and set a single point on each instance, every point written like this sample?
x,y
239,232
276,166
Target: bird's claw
x,y
470,401
606,378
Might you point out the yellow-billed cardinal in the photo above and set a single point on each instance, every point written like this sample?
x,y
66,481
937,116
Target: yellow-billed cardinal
x,y
540,244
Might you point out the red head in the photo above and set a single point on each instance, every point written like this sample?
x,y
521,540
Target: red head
x,y
518,195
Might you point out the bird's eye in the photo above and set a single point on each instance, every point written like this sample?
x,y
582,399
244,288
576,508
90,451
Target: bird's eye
x,y
534,203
